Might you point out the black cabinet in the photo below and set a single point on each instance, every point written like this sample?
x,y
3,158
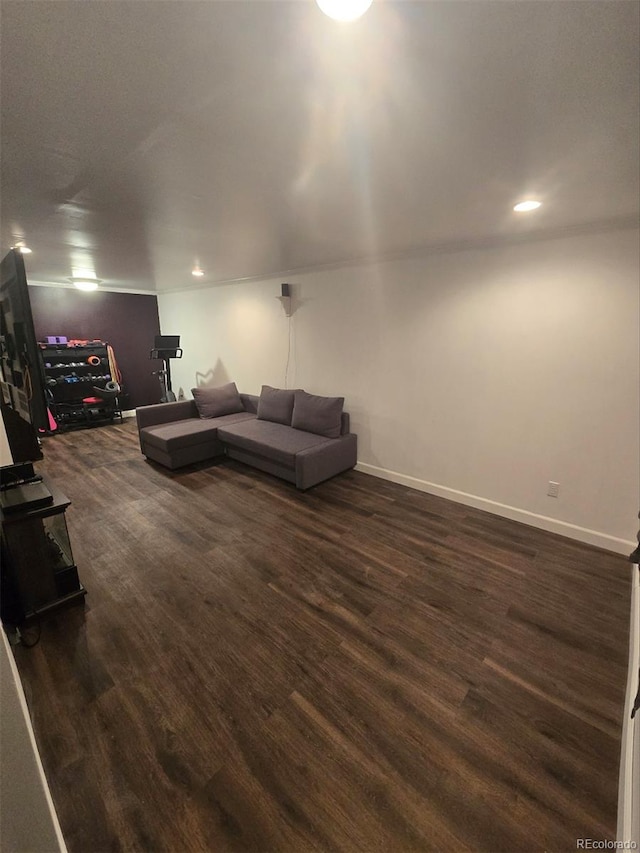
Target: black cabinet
x,y
37,556
72,376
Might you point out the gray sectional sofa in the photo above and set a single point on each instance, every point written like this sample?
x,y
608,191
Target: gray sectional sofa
x,y
299,437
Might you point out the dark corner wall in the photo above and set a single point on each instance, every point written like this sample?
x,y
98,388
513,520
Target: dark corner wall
x,y
127,321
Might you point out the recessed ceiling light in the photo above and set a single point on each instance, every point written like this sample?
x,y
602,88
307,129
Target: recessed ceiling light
x,y
526,206
344,10
85,283
197,272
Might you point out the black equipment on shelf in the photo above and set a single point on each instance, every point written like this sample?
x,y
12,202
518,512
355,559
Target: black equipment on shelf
x,y
78,383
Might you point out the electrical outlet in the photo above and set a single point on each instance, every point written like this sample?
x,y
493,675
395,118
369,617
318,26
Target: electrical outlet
x,y
553,489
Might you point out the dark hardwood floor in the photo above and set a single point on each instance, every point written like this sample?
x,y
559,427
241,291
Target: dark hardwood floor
x,y
357,668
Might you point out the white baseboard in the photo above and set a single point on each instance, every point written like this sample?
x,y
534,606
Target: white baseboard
x,y
553,525
129,413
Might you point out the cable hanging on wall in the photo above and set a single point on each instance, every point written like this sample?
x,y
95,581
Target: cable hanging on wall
x,y
285,300
286,370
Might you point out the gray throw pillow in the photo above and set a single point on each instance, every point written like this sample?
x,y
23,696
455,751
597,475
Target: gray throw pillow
x,y
320,415
275,404
215,402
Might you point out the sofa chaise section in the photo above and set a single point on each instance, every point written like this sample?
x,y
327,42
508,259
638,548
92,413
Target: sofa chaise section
x,y
174,434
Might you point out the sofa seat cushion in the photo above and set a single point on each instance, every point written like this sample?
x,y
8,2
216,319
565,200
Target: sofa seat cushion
x,y
277,442
177,435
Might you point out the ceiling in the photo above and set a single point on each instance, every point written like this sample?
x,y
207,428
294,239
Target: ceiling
x,y
255,137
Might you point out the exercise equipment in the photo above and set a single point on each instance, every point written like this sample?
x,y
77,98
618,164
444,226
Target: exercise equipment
x,y
165,348
165,384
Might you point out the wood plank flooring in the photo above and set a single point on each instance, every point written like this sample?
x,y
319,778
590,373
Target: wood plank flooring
x,y
357,668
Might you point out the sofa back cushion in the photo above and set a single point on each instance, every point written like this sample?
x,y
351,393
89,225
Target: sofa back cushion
x,y
320,415
214,402
250,402
276,405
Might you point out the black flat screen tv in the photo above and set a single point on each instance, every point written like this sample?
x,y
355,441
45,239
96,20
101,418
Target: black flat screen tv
x,y
22,389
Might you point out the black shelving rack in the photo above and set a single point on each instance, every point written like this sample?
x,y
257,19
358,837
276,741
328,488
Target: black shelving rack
x,y
72,375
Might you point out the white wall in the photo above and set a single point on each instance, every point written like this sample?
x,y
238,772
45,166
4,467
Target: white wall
x,y
629,785
28,820
479,375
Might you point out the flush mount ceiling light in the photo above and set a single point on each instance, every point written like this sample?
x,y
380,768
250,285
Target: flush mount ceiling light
x,y
83,283
526,206
344,10
197,272
25,250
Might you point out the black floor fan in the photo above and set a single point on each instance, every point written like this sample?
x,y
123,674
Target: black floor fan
x,y
166,347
